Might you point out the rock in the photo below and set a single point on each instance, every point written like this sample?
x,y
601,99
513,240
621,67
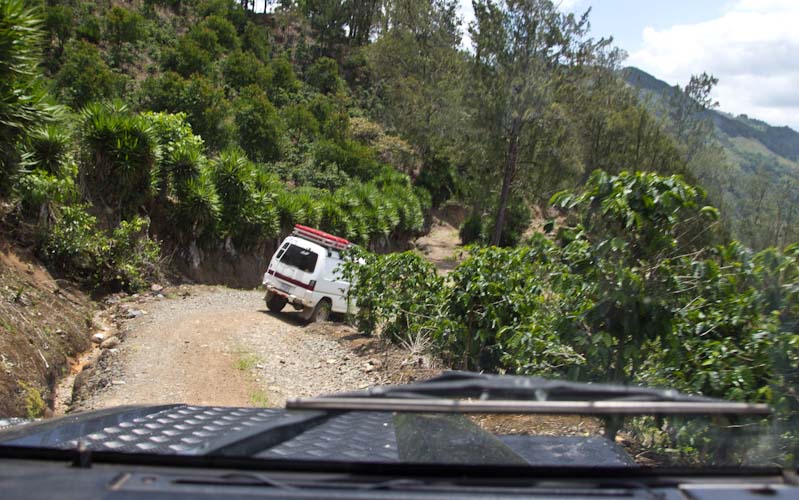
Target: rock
x,y
98,338
110,343
156,288
134,313
80,383
118,382
332,361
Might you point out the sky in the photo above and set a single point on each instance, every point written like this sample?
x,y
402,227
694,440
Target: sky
x,y
751,46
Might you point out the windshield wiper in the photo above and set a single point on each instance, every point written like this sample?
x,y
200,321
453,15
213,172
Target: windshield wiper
x,y
464,392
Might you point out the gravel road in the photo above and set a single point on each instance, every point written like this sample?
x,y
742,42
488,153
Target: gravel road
x,y
219,346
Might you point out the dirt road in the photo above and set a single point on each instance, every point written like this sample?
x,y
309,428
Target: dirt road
x,y
219,346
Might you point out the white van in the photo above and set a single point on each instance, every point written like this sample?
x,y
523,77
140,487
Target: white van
x,y
305,272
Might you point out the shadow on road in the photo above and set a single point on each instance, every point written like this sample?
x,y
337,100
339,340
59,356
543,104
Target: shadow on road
x,y
293,318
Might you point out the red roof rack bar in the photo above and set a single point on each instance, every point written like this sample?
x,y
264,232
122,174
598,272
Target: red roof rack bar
x,y
320,237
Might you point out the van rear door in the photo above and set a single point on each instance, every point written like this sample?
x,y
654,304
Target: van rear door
x,y
295,266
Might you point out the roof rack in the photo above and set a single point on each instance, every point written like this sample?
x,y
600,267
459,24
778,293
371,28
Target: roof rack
x,y
320,237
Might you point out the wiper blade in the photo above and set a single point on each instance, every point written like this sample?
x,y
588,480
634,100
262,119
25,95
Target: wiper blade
x,y
465,392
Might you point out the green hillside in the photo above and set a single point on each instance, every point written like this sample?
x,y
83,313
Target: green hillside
x,y
760,175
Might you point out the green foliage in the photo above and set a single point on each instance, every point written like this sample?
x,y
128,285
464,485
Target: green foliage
x,y
88,29
118,154
47,148
189,57
517,220
23,100
59,22
227,9
398,295
351,157
301,121
255,40
85,77
223,29
258,124
248,212
439,177
165,92
208,112
242,69
472,229
323,75
306,172
181,155
123,260
123,26
34,403
283,77
196,214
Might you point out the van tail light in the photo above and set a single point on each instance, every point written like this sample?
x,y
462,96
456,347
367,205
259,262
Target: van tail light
x,y
312,284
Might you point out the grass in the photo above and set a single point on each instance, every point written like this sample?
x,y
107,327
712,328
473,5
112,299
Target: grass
x,y
34,402
247,361
7,326
259,399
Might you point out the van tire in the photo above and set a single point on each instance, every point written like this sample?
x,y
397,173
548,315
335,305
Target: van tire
x,y
321,312
275,302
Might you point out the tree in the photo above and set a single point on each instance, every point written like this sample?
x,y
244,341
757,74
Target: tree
x,y
521,49
418,72
259,126
688,108
85,77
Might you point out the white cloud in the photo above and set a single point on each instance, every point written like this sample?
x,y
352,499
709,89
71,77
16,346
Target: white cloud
x,y
568,5
752,49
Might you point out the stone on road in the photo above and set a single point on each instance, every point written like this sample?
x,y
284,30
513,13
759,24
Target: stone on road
x,y
221,347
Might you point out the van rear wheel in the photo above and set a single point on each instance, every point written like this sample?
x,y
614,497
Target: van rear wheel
x,y
275,302
321,312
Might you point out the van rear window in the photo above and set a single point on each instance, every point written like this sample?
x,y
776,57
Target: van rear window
x,y
300,258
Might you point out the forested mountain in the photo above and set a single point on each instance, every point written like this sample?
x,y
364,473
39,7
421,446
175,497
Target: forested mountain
x,y
760,183
206,129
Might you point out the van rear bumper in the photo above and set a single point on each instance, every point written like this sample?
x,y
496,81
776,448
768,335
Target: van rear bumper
x,y
295,301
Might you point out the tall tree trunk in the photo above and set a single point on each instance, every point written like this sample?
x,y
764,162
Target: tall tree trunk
x,y
507,179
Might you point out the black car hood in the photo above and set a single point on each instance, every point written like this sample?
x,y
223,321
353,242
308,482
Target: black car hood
x,y
272,433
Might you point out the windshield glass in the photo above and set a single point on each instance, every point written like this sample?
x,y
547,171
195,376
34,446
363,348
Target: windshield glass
x,y
301,258
520,232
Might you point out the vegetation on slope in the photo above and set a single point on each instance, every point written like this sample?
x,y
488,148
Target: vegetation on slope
x,y
752,172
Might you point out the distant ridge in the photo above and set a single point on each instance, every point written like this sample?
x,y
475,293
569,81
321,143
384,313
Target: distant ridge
x,y
782,141
756,178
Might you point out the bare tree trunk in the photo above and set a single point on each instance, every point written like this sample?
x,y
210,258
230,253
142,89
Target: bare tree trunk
x,y
507,180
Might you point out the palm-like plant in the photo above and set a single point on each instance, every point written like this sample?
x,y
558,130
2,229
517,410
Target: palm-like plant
x,y
24,103
47,148
119,152
249,214
196,214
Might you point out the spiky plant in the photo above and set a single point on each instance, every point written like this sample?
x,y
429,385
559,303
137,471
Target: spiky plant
x,y
182,164
47,148
24,102
335,218
300,206
196,214
119,151
249,214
